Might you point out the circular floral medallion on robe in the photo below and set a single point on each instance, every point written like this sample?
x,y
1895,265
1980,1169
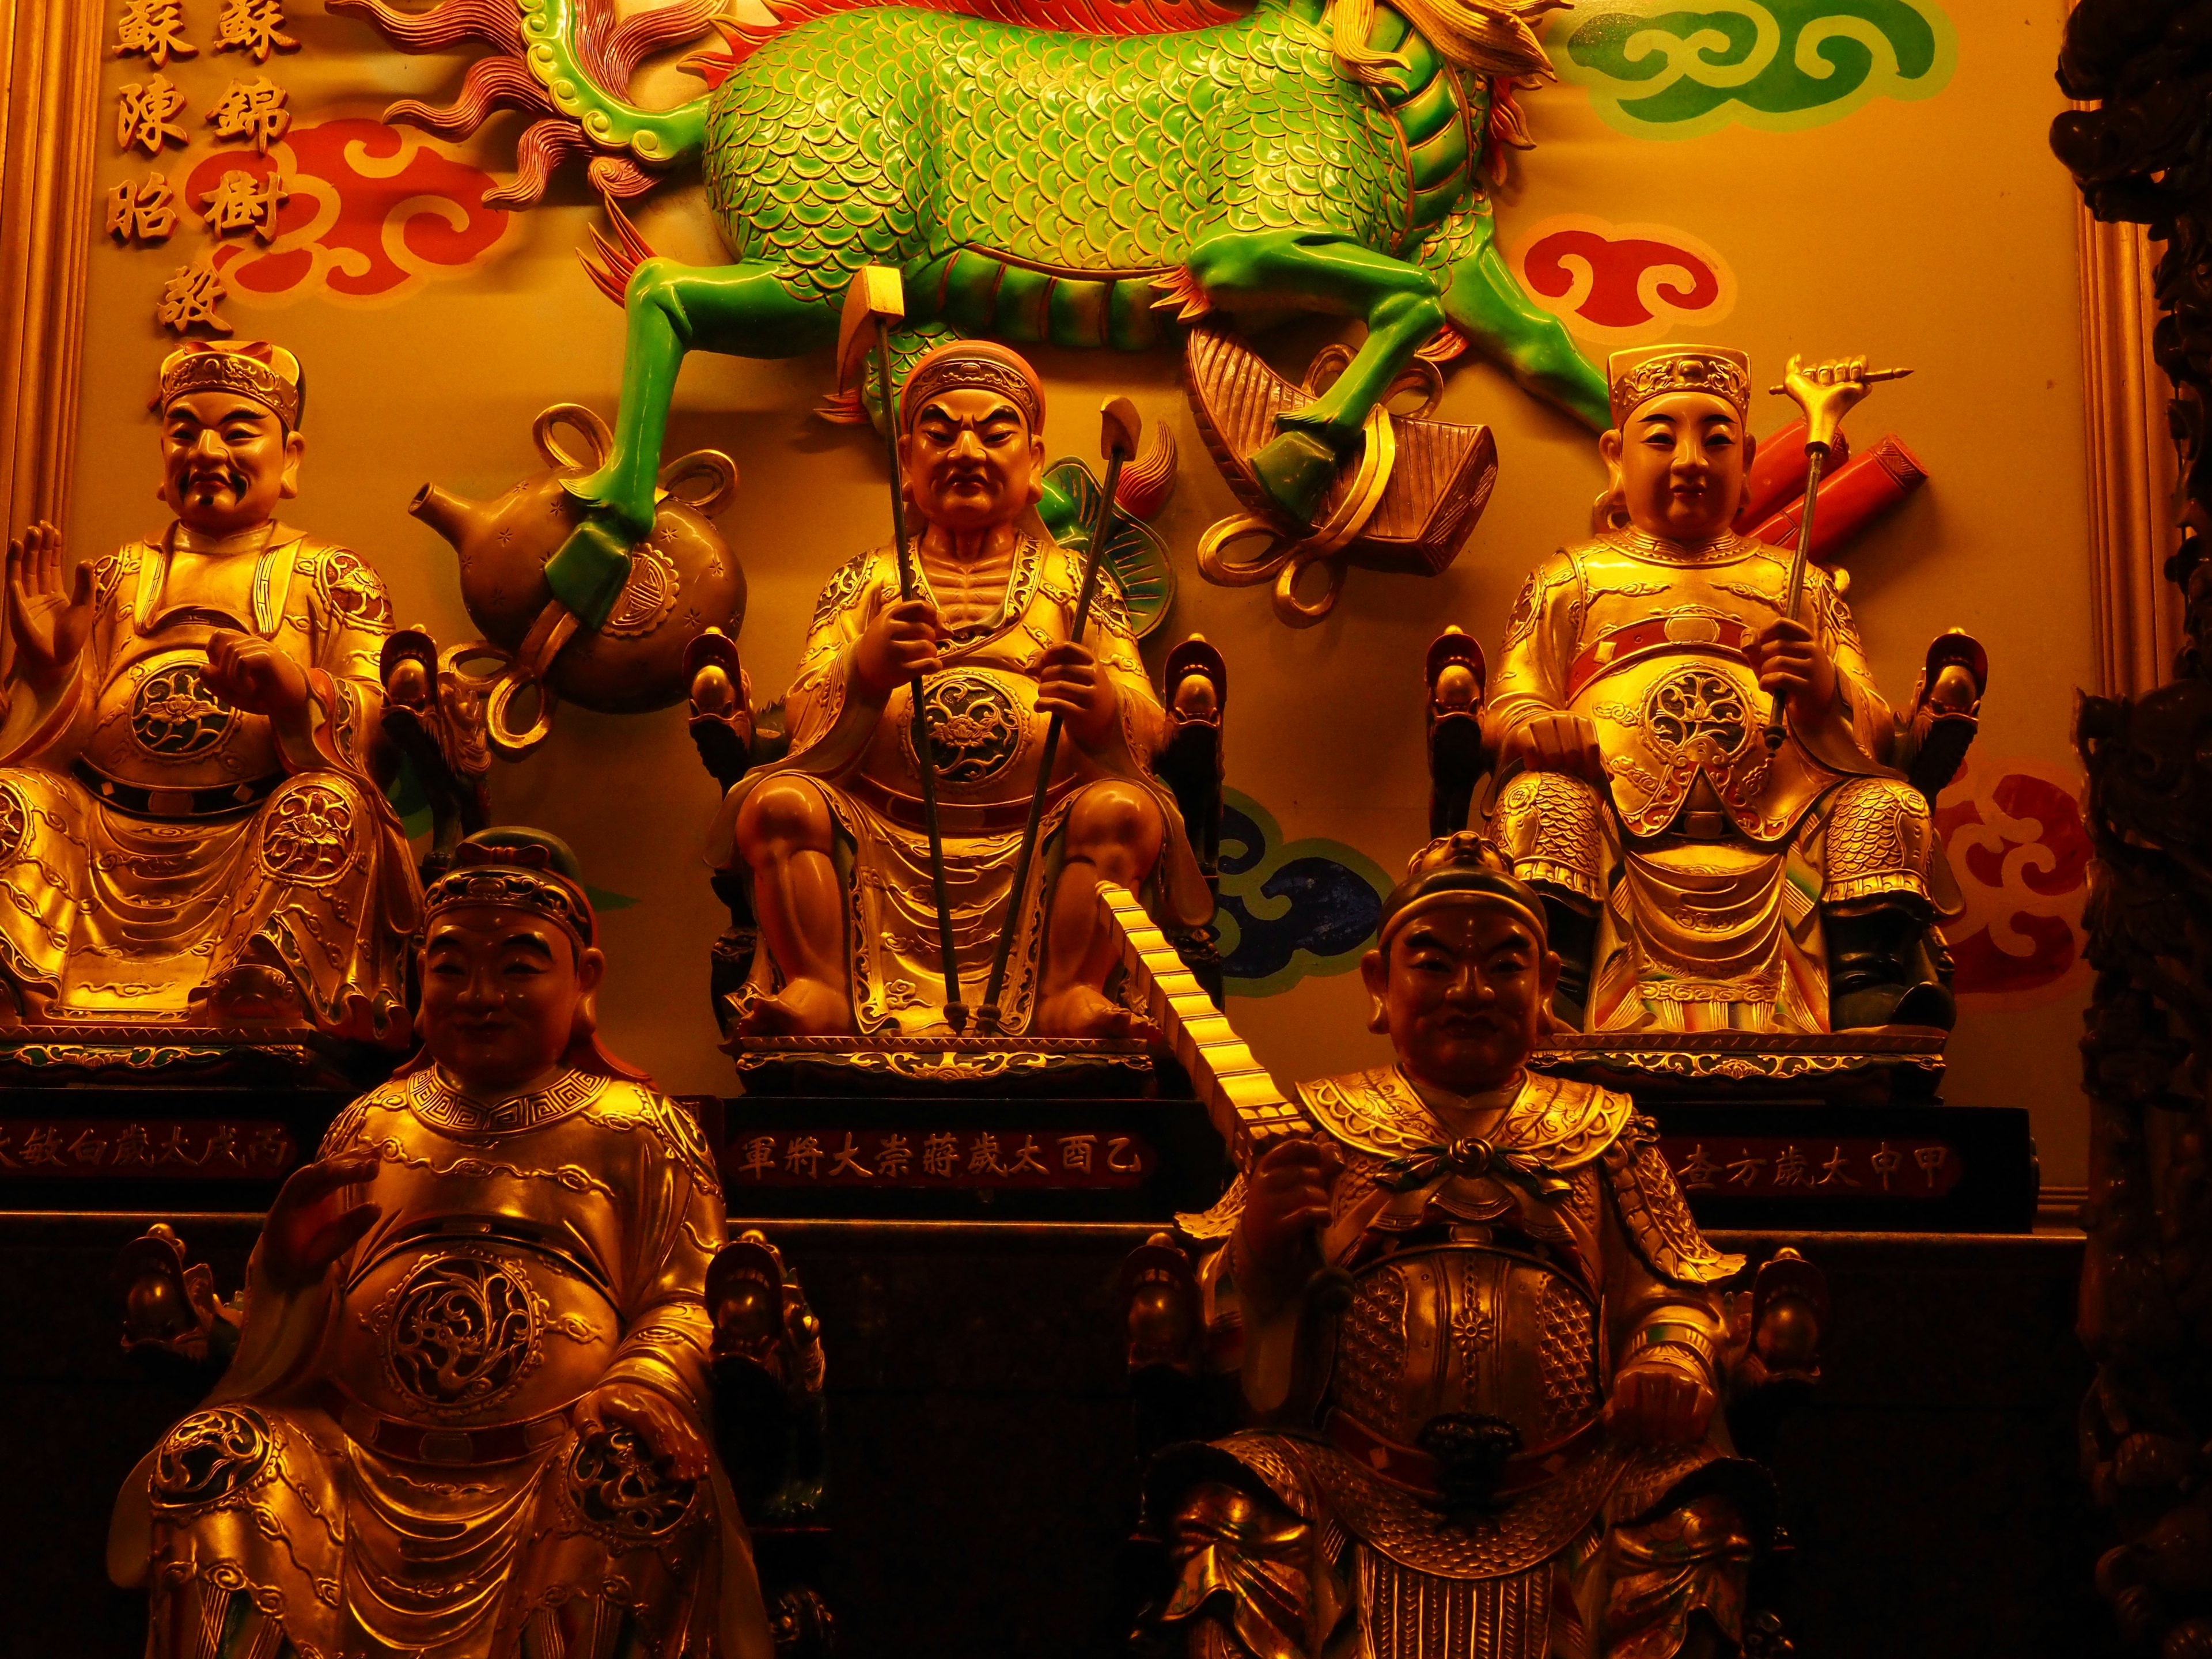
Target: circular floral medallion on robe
x,y
307,834
620,1491
209,1455
460,1331
974,729
1698,706
174,716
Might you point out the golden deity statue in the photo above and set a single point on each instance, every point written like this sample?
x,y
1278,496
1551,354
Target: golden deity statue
x,y
1481,1331
1702,871
469,1410
834,839
192,830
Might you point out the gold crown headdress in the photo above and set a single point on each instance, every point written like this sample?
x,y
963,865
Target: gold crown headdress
x,y
1637,377
516,872
267,374
976,364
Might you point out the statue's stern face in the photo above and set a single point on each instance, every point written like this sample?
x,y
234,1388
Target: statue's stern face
x,y
1682,460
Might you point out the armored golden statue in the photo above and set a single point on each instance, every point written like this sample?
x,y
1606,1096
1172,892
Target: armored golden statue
x,y
1482,1332
469,1411
835,839
192,826
1703,870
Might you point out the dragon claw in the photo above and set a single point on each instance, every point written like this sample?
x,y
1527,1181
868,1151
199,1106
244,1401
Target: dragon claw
x,y
1296,469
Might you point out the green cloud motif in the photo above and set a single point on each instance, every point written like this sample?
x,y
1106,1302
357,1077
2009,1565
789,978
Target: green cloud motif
x,y
1776,64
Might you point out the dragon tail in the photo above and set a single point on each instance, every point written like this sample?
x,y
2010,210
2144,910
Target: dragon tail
x,y
556,61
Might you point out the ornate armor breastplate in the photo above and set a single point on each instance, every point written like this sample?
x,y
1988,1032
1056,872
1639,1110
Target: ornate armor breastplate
x,y
1455,1328
461,1333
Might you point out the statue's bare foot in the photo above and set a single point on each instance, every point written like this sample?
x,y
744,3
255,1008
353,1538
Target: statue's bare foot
x,y
1082,1011
254,993
805,1007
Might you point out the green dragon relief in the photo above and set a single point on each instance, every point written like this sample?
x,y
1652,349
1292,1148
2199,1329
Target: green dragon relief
x,y
1034,184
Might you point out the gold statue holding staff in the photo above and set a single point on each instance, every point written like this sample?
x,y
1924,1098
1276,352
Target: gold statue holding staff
x,y
834,838
1483,1338
470,1412
192,828
1703,873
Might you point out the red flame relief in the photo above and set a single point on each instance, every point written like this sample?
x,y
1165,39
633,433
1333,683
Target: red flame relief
x,y
2018,847
372,214
1622,284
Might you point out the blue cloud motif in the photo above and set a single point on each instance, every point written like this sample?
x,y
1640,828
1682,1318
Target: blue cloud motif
x,y
1310,906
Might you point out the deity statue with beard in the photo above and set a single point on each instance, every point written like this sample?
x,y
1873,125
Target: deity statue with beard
x,y
833,839
194,831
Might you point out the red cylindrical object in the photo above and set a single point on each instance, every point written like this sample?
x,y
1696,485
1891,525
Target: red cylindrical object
x,y
1851,497
1778,475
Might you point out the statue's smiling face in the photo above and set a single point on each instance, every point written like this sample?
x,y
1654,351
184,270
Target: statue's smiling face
x,y
502,987
1462,994
972,461
225,461
1682,460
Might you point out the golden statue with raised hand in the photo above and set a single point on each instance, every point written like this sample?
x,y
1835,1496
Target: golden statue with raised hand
x,y
192,830
1483,1335
469,1410
1702,873
834,838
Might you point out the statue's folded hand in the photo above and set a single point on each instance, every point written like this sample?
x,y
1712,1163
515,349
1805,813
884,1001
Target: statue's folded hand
x,y
1070,685
1555,742
254,675
1789,659
667,1431
1659,1402
899,644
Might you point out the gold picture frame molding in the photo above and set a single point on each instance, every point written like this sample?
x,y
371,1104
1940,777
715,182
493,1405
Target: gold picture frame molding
x,y
51,52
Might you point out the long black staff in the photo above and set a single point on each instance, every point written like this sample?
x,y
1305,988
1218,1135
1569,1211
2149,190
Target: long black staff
x,y
877,296
1820,440
1118,424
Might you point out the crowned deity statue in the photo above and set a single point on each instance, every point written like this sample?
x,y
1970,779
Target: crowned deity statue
x,y
834,839
469,1414
192,826
1481,1338
1704,869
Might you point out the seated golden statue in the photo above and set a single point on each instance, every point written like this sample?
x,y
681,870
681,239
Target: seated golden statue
x,y
1699,876
833,838
191,828
1480,1327
468,1414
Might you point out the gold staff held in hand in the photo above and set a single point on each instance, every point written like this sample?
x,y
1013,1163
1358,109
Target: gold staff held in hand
x,y
1118,427
1826,392
877,296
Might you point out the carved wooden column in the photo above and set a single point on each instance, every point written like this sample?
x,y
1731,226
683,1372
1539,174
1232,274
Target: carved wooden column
x,y
50,53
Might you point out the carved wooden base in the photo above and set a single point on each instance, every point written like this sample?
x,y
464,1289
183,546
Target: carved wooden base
x,y
153,1054
1902,1065
955,1066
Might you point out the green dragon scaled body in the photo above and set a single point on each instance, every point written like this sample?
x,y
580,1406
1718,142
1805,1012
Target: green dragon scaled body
x,y
1043,184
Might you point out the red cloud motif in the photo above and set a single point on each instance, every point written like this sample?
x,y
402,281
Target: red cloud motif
x,y
373,213
2017,845
1622,284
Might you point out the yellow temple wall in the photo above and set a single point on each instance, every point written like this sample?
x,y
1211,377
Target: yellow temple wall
x,y
1931,230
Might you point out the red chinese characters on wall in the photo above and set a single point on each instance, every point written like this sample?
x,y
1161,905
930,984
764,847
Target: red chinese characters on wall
x,y
2018,847
370,214
1623,284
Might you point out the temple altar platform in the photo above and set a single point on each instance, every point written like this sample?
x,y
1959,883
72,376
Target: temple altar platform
x,y
981,1482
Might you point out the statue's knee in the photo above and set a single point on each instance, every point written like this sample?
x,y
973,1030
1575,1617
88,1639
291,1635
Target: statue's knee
x,y
783,817
653,284
1114,822
1549,824
313,827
